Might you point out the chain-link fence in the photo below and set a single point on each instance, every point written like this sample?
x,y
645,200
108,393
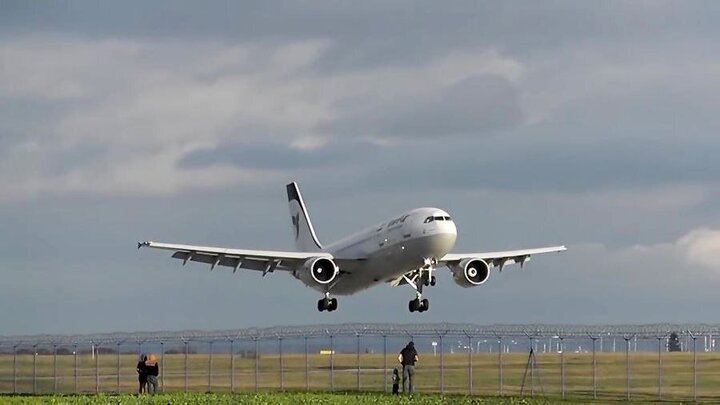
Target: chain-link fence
x,y
596,362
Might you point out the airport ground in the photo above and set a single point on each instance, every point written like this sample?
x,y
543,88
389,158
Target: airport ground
x,y
677,374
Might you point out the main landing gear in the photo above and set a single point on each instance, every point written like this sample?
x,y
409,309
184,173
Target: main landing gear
x,y
327,303
424,277
419,305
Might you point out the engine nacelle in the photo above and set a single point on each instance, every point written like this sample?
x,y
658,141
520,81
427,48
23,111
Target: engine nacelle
x,y
471,272
319,271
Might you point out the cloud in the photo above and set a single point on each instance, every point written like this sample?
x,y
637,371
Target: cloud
x,y
701,247
474,106
126,113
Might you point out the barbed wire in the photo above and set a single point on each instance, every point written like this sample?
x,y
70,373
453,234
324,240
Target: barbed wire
x,y
495,331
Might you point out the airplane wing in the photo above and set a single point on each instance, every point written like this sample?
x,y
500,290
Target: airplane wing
x,y
260,260
500,259
493,259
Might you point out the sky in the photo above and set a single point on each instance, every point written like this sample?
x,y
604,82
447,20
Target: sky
x,y
589,124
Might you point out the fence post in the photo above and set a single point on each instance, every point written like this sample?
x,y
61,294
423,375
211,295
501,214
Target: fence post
x,y
470,367
307,377
210,359
659,376
562,367
627,365
357,359
594,366
162,366
694,339
257,359
55,369
75,374
332,364
500,366
282,374
34,378
385,362
97,369
117,377
232,366
15,369
442,366
186,365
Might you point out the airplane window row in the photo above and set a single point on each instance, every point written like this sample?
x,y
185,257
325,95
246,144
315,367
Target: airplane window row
x,y
438,218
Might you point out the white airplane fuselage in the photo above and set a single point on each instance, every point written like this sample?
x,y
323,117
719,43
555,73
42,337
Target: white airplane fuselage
x,y
390,249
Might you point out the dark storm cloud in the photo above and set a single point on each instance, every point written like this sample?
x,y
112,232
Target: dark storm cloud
x,y
474,106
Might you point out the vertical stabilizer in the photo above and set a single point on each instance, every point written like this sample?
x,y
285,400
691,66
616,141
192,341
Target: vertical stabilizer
x,y
303,232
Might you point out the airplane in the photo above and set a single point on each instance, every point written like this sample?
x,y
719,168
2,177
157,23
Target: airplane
x,y
404,250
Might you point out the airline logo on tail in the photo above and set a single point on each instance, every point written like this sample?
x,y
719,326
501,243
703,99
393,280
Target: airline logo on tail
x,y
296,224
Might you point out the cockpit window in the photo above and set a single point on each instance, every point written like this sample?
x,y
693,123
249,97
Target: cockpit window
x,y
448,219
428,220
439,218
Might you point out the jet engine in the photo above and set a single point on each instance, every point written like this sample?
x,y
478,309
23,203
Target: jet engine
x,y
471,272
320,270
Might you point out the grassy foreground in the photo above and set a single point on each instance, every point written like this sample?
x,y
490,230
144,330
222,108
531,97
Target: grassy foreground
x,y
275,398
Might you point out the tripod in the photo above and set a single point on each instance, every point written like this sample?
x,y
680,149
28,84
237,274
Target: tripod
x,y
532,366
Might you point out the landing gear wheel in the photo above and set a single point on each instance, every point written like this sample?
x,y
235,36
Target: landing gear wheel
x,y
414,305
433,281
424,305
327,304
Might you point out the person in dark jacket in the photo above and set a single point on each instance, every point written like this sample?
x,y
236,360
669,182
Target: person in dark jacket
x,y
142,374
151,366
408,357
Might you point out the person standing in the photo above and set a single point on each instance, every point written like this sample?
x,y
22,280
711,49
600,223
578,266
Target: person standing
x,y
396,382
408,357
142,374
151,365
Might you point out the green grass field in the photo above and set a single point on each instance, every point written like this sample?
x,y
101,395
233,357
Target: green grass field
x,y
611,382
288,398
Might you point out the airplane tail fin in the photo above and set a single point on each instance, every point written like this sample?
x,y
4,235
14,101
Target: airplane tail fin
x,y
305,238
